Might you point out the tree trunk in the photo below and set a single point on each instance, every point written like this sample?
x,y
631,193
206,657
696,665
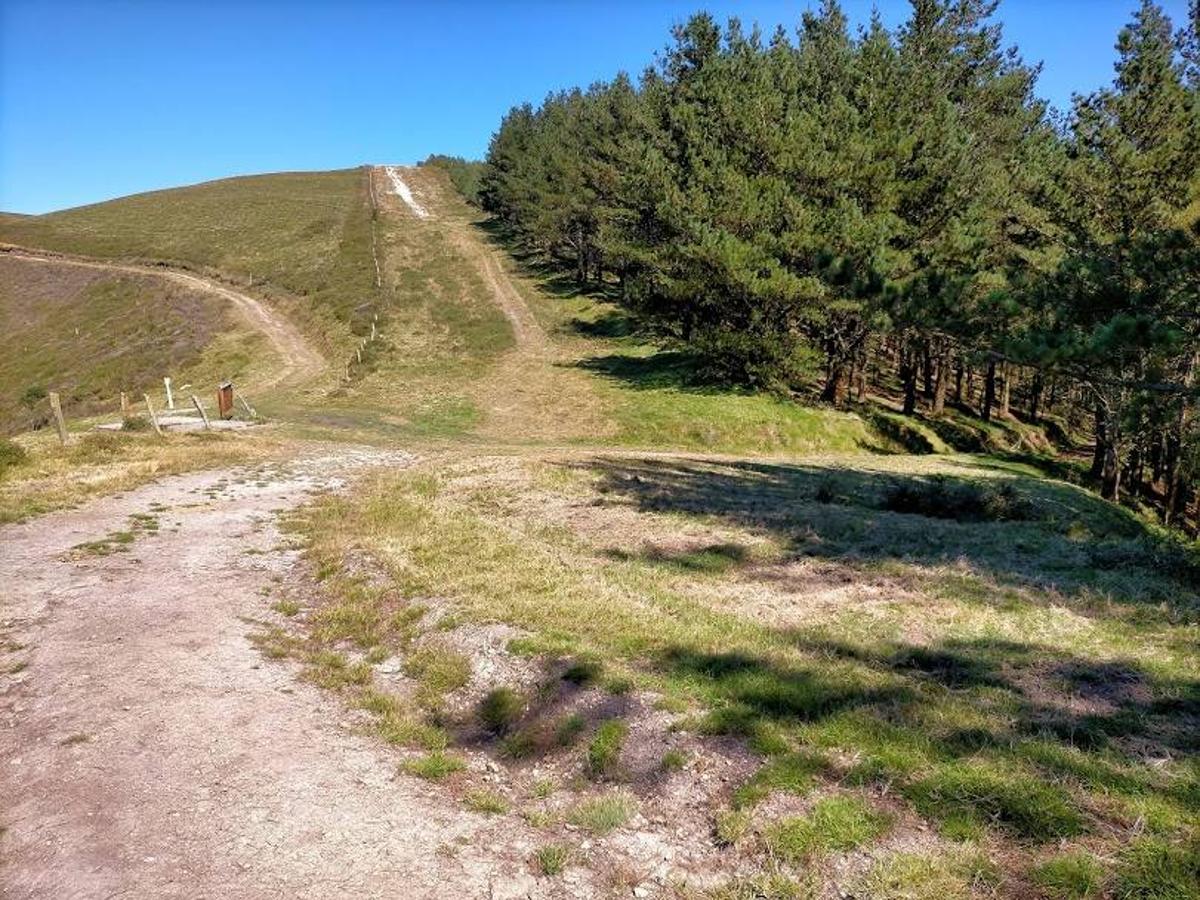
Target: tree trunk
x,y
580,257
958,382
908,376
1175,447
1035,396
1110,476
837,382
941,383
927,369
989,390
1006,391
861,373
1101,434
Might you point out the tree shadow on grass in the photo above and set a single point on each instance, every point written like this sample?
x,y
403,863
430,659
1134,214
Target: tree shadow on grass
x,y
1063,538
666,369
975,733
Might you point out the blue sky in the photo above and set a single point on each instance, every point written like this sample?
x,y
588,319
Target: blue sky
x,y
108,98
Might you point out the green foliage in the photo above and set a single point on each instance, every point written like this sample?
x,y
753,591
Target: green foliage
x,y
434,766
835,823
1157,869
1071,876
943,498
603,814
552,859
604,752
11,455
500,709
466,175
849,205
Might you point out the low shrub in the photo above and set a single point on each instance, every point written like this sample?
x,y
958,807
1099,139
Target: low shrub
x,y
12,455
500,709
942,498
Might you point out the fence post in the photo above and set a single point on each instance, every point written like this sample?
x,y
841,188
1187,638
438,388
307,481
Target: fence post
x,y
170,398
59,422
153,417
203,414
124,406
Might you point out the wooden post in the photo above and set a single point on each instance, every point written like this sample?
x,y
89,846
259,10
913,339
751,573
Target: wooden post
x,y
124,406
358,353
59,422
372,331
246,406
153,417
200,409
170,399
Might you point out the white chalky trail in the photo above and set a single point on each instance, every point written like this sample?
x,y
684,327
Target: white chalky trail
x,y
405,193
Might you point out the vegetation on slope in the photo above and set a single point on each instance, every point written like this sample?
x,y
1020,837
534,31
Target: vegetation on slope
x,y
90,335
973,674
307,234
841,207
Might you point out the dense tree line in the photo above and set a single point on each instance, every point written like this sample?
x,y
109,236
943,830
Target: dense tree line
x,y
896,209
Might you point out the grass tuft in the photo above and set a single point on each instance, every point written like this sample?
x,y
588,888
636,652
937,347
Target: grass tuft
x,y
434,766
1070,876
604,751
605,813
835,823
485,801
552,859
500,709
1159,869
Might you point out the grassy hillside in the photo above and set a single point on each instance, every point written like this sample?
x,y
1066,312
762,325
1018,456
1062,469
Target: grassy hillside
x,y
90,335
307,234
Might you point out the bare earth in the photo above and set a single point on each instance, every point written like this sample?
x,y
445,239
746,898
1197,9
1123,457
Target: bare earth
x,y
149,750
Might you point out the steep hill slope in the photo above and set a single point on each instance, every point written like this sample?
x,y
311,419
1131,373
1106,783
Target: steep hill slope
x,y
302,238
90,333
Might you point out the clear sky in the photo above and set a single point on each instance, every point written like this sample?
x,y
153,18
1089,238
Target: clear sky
x,y
100,99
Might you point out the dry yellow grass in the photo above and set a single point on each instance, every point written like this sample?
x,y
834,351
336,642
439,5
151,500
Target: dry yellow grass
x,y
97,464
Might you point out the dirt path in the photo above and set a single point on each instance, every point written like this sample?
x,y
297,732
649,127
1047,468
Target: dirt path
x,y
147,749
298,359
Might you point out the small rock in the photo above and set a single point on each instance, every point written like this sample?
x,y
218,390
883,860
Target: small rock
x,y
640,891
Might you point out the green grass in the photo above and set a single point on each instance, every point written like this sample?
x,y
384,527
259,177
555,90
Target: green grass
x,y
604,751
774,886
440,670
835,823
964,797
307,233
89,336
487,802
791,773
500,709
926,692
655,406
674,761
1157,869
434,766
953,875
552,859
603,814
1075,875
